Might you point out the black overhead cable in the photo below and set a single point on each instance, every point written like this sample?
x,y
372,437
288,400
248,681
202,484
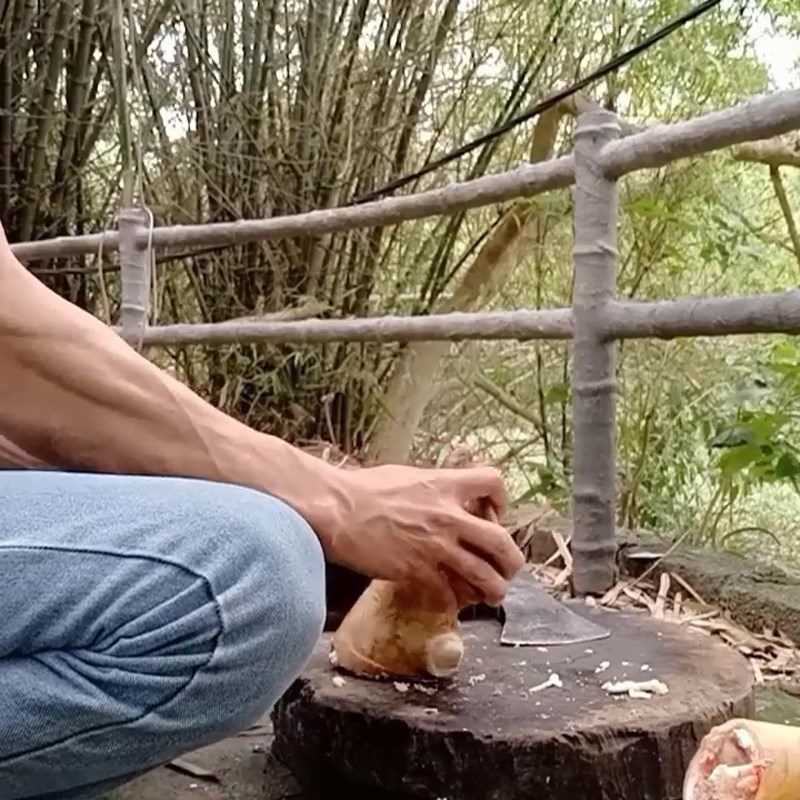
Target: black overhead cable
x,y
611,66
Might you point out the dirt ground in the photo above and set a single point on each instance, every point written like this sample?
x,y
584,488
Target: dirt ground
x,y
238,768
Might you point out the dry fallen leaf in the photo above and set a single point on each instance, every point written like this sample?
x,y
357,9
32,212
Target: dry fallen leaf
x,y
660,604
195,770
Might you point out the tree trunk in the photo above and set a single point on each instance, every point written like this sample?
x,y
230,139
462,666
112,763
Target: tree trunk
x,y
413,381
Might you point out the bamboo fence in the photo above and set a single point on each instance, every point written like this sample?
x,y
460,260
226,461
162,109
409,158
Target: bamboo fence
x,y
594,322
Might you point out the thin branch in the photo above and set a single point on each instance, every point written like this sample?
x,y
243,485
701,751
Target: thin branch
x,y
786,208
717,316
773,152
508,401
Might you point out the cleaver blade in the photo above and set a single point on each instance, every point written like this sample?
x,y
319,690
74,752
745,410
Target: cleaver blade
x,y
534,617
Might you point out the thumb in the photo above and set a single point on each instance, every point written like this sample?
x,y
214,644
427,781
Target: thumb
x,y
475,484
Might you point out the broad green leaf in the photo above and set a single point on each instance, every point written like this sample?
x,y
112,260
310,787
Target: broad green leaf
x,y
557,393
787,466
737,458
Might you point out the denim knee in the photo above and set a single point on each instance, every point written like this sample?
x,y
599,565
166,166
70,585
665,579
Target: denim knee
x,y
192,608
273,606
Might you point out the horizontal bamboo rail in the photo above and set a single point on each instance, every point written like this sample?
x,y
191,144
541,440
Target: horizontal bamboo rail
x,y
621,319
707,316
758,118
522,325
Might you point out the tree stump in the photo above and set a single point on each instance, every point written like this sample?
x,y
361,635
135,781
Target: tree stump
x,y
490,734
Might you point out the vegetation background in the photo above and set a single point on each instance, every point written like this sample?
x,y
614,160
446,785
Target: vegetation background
x,y
227,109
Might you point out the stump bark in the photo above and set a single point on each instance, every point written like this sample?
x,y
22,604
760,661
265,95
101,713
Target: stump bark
x,y
489,735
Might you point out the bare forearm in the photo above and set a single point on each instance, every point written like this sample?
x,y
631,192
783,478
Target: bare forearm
x,y
74,395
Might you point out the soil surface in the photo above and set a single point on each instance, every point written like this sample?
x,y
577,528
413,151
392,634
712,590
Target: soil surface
x,y
240,768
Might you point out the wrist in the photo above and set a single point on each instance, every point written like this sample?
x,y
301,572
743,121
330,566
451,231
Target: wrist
x,y
314,488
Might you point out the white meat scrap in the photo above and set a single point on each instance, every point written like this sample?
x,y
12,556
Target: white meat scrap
x,y
726,768
638,690
727,782
553,681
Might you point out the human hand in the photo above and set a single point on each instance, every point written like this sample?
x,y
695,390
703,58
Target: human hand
x,y
424,526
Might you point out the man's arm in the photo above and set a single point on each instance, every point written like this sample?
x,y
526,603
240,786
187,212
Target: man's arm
x,y
74,395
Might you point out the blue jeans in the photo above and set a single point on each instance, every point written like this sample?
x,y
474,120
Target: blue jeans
x,y
141,618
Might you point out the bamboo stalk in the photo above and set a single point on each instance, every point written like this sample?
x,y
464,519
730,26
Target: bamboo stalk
x,y
65,246
78,84
747,760
7,60
135,276
786,208
774,153
716,316
47,119
593,364
757,118
523,181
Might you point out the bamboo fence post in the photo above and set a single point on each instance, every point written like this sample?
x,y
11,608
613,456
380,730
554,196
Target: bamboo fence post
x,y
134,262
593,358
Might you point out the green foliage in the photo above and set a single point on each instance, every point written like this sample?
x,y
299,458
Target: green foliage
x,y
759,446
